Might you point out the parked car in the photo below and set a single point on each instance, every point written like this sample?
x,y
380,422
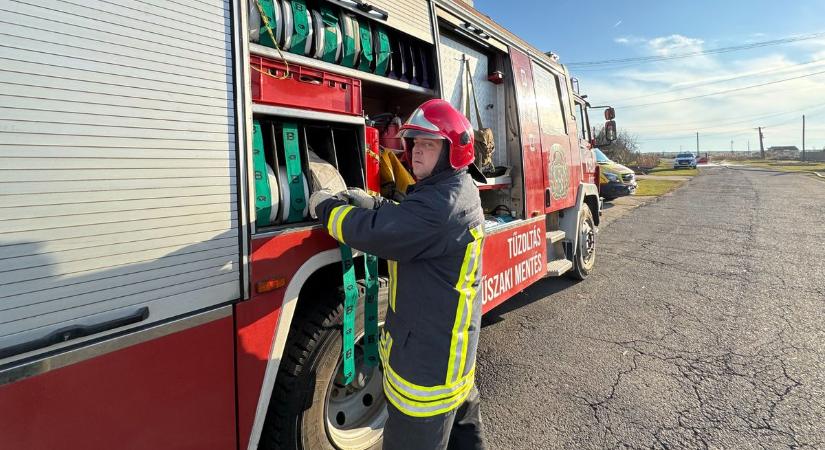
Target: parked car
x,y
615,180
684,160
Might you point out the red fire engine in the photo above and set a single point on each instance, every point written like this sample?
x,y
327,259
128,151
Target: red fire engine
x,y
161,285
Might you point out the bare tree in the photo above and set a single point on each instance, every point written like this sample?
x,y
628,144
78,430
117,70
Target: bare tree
x,y
623,150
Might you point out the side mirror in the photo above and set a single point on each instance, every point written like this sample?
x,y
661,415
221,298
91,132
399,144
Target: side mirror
x,y
609,113
610,129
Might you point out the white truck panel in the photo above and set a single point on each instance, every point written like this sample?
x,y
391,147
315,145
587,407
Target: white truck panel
x,y
487,93
118,186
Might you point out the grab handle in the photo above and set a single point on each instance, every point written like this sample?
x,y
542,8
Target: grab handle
x,y
74,332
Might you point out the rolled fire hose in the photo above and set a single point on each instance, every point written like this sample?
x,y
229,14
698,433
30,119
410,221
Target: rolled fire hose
x,y
319,36
302,28
365,38
286,30
272,10
332,36
381,50
351,43
267,197
356,32
295,208
254,22
324,175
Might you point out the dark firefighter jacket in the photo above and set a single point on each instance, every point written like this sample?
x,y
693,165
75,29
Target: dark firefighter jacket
x,y
432,242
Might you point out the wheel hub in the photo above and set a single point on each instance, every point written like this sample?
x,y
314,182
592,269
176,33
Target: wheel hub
x,y
356,413
587,241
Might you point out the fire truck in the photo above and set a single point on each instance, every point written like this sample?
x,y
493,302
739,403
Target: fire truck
x,y
161,283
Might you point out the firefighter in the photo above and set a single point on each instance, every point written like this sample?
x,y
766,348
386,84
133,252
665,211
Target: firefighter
x,y
432,242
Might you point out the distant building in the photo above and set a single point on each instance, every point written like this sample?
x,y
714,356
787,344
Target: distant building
x,y
783,152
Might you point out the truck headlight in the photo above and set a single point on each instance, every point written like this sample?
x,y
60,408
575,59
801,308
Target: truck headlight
x,y
611,176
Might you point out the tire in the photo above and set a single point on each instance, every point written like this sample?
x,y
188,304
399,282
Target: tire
x,y
583,264
309,408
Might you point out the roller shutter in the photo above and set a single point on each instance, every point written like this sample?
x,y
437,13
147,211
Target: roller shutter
x,y
410,16
117,162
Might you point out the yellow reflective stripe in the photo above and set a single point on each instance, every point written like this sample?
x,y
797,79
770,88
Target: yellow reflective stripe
x,y
336,221
426,393
478,234
393,269
459,313
384,347
333,217
425,409
339,223
464,286
412,390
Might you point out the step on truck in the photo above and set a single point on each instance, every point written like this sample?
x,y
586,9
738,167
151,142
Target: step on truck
x,y
161,283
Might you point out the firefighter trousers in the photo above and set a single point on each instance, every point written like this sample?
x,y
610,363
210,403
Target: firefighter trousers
x,y
459,429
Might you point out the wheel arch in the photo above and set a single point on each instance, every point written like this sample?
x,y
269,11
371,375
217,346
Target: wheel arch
x,y
588,196
306,282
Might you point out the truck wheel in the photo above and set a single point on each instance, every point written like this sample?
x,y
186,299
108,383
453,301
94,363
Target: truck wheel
x,y
585,252
310,407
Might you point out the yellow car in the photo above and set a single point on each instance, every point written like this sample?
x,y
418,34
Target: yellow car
x,y
615,180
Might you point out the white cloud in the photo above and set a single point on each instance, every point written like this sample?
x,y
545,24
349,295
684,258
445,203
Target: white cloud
x,y
629,40
675,44
666,126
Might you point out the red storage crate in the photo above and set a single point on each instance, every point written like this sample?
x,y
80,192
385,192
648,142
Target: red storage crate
x,y
304,88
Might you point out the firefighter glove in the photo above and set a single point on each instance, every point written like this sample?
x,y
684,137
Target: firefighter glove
x,y
359,198
319,197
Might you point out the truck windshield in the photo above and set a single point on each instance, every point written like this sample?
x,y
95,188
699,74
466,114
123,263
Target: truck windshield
x,y
601,157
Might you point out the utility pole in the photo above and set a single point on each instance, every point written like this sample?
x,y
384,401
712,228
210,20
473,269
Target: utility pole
x,y
761,144
731,145
803,137
697,142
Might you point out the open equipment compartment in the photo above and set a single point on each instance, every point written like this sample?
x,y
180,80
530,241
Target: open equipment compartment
x,y
340,145
349,142
329,74
351,35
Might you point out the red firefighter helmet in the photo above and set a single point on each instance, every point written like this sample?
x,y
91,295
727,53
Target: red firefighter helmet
x,y
437,119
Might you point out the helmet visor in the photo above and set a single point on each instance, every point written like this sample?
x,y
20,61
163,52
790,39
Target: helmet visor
x,y
412,133
417,120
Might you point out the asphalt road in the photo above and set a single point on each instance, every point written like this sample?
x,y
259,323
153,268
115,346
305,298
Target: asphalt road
x,y
703,327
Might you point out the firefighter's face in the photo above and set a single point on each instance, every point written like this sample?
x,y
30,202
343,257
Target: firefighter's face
x,y
425,154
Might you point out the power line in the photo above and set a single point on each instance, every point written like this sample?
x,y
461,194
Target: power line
x,y
723,80
644,59
727,91
703,124
739,131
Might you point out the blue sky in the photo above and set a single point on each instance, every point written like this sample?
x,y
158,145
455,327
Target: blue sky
x,y
599,30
